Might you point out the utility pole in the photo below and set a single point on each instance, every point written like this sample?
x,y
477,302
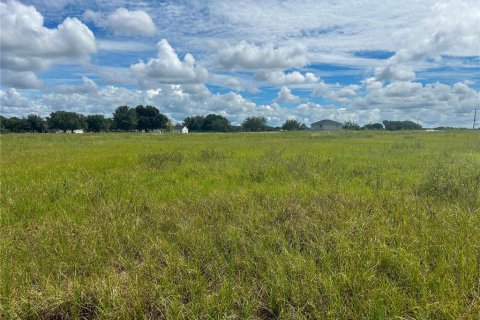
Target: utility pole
x,y
474,119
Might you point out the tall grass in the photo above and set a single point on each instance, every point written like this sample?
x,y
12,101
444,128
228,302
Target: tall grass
x,y
262,226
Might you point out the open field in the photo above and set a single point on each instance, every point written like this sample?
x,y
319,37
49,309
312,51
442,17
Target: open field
x,y
352,225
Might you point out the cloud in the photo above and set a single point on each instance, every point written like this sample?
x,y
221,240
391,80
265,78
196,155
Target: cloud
x,y
88,98
114,75
177,101
87,86
432,104
270,43
246,56
392,72
123,21
440,33
403,89
333,28
168,68
27,46
234,84
12,103
451,28
285,95
281,78
344,93
319,89
20,79
122,46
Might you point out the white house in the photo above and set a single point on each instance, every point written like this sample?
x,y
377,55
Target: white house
x,y
326,125
184,130
78,131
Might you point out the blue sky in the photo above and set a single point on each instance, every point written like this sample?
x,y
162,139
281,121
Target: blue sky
x,y
363,61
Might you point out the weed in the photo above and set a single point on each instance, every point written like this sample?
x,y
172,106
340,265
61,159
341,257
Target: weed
x,y
163,160
454,180
295,225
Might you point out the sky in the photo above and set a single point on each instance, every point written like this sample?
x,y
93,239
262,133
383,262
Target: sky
x,y
352,60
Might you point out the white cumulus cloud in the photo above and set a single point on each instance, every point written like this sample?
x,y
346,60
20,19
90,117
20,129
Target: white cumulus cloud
x,y
281,78
452,28
246,56
286,95
123,21
393,72
12,103
27,46
343,93
168,68
20,79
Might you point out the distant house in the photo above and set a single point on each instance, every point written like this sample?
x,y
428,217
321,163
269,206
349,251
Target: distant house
x,y
184,130
78,131
326,125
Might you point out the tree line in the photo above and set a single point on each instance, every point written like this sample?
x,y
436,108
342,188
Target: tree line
x,y
387,125
140,118
148,118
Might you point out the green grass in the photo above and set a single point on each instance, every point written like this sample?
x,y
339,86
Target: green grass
x,y
352,225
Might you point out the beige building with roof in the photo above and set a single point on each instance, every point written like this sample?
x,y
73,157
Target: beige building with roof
x,y
326,125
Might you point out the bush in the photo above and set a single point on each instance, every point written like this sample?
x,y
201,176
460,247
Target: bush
x,y
373,126
350,125
401,125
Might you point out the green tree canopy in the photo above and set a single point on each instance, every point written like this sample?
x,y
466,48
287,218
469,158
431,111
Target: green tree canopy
x,y
215,122
125,118
65,120
97,123
36,123
150,118
255,124
373,126
350,125
293,125
14,124
401,125
194,123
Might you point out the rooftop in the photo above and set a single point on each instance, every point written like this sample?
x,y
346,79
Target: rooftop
x,y
326,121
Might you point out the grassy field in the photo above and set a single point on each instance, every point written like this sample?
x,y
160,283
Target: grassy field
x,y
352,225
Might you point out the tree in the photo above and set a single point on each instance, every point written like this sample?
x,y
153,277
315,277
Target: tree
x,y
65,120
36,123
235,128
124,118
3,120
15,124
350,125
97,123
150,118
194,123
293,125
255,124
373,126
215,122
401,125
169,126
